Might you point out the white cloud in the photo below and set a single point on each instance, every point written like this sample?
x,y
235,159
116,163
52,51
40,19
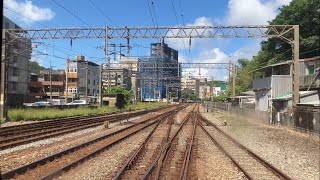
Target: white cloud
x,y
252,12
27,9
246,51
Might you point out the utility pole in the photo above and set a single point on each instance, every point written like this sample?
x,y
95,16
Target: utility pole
x,y
87,82
233,79
100,86
67,72
50,72
4,76
295,72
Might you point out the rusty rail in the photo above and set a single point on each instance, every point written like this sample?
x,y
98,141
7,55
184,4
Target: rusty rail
x,y
43,161
47,124
161,156
136,154
185,165
266,164
56,128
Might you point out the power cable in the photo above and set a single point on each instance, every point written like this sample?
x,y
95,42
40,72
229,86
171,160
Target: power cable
x,y
26,17
101,12
71,13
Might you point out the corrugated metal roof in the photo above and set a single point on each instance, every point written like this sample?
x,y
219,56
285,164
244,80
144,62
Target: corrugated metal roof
x,y
288,96
287,62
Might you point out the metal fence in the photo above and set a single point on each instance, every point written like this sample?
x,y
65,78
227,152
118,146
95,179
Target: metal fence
x,y
300,118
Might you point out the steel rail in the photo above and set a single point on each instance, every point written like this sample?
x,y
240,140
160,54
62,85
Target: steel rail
x,y
167,137
43,161
127,165
69,127
45,123
161,156
226,153
266,164
186,161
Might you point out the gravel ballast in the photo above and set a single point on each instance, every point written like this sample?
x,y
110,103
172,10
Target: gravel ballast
x,y
295,153
105,165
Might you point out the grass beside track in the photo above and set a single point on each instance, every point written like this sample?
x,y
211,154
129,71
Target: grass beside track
x,y
48,113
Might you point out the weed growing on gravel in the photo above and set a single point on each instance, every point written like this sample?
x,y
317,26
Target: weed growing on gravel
x,y
48,113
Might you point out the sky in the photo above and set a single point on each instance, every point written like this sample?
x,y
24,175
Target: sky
x,y
101,13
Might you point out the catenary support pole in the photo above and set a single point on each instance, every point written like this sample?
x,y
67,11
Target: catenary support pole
x,y
50,82
100,86
4,76
67,72
233,79
295,72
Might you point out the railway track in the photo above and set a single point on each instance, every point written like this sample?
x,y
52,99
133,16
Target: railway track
x,y
147,161
60,162
143,156
174,159
22,134
252,165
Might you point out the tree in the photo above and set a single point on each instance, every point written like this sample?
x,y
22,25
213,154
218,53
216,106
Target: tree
x,y
302,12
188,94
35,67
120,90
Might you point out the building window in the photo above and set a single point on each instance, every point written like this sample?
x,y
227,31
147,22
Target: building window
x,y
72,70
15,72
14,86
311,69
15,59
88,91
94,82
88,81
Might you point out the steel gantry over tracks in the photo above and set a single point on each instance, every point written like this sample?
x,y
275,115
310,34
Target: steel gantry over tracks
x,y
268,31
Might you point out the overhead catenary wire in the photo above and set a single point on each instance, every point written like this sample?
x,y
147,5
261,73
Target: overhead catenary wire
x,y
176,16
44,26
71,13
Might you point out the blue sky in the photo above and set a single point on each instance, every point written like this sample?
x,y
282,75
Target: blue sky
x,y
47,13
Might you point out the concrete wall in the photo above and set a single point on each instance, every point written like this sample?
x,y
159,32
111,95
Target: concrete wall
x,y
262,99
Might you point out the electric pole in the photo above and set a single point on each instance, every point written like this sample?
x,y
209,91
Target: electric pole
x,y
4,76
87,83
100,86
233,79
50,72
67,71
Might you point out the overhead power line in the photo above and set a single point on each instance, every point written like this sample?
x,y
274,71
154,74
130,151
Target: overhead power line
x,y
26,17
101,12
71,13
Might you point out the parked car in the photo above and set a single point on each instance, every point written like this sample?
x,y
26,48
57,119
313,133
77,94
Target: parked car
x,y
40,103
77,102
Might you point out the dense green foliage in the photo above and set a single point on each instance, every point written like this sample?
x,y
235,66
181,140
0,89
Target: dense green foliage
x,y
188,94
128,94
35,67
305,13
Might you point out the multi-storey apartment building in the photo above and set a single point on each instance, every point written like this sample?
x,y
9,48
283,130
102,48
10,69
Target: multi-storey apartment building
x,y
19,55
190,83
57,83
83,76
